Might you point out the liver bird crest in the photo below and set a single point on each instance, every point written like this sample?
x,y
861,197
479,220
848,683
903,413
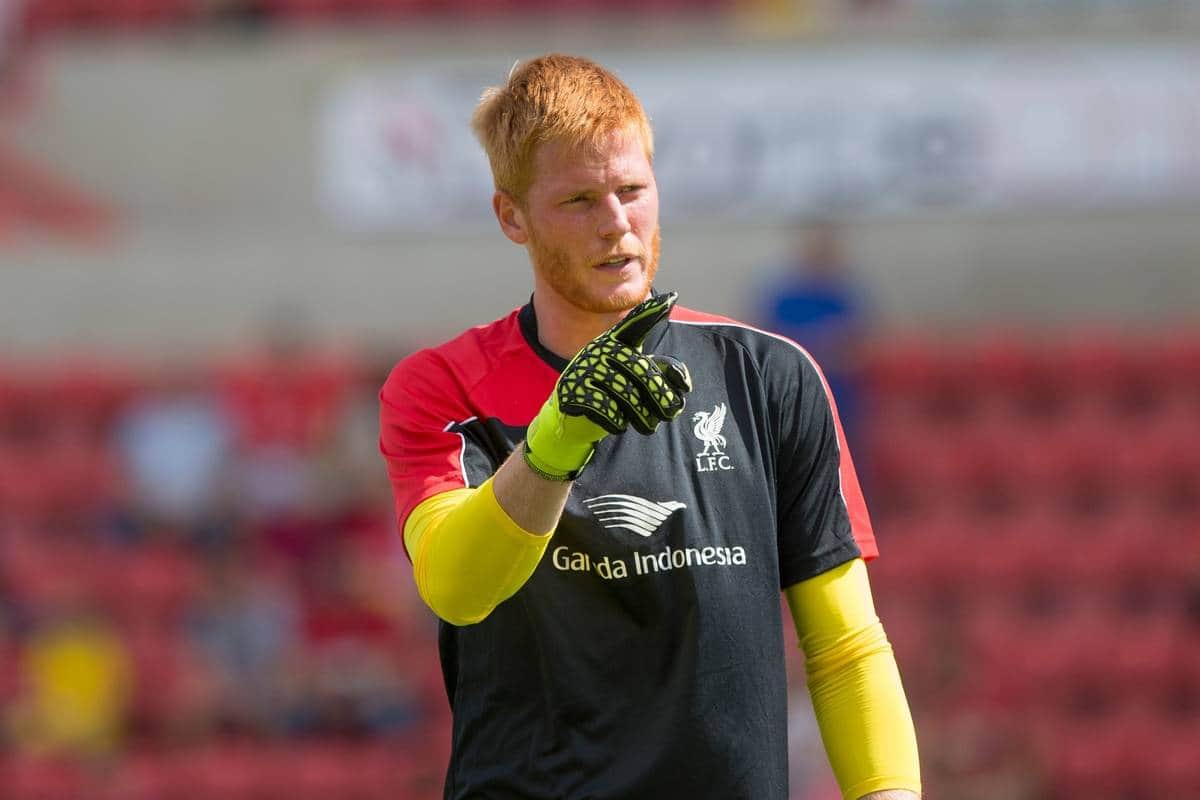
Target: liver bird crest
x,y
708,429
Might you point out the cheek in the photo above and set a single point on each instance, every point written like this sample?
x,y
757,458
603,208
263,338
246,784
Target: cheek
x,y
644,217
557,231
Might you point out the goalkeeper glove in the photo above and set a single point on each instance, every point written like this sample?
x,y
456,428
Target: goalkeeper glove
x,y
609,386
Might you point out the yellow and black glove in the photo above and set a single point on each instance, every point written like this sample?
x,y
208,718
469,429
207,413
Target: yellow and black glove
x,y
609,386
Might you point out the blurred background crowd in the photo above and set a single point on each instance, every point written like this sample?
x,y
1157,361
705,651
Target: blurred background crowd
x,y
223,221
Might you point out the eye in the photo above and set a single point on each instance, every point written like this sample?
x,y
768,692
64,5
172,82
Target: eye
x,y
630,189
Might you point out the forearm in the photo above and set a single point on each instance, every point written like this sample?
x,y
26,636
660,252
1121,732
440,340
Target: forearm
x,y
855,686
864,718
532,502
892,794
474,548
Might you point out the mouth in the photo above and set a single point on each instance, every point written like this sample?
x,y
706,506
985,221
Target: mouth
x,y
616,263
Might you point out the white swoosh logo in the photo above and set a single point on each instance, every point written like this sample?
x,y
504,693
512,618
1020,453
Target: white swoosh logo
x,y
632,513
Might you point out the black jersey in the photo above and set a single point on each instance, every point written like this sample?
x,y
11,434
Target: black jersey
x,y
644,657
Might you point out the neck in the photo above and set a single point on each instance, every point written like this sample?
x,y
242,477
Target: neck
x,y
564,329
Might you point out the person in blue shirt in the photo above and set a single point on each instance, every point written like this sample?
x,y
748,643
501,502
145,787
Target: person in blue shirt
x,y
817,300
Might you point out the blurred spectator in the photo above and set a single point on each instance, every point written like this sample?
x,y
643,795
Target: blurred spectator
x,y
816,301
290,388
176,444
352,684
286,396
11,619
75,687
295,617
278,481
246,623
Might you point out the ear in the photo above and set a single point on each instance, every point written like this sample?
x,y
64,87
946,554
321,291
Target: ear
x,y
512,219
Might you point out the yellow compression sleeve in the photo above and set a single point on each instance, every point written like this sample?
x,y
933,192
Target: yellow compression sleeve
x,y
468,555
854,682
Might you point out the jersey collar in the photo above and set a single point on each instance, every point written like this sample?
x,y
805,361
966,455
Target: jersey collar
x,y
527,319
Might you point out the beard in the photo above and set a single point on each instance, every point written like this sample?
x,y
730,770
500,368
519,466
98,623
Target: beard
x,y
571,281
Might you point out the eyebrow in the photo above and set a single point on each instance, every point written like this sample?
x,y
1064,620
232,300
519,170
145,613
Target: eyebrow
x,y
632,183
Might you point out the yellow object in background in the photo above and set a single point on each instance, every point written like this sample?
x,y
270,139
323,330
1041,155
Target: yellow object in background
x,y
77,675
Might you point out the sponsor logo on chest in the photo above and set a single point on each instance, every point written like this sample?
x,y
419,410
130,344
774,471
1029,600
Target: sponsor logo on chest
x,y
707,427
635,514
645,518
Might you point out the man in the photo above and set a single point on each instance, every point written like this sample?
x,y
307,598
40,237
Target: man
x,y
607,574
816,300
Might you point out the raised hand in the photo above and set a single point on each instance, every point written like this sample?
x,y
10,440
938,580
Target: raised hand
x,y
609,386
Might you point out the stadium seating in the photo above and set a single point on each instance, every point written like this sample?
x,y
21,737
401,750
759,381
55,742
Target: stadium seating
x,y
1040,563
1051,519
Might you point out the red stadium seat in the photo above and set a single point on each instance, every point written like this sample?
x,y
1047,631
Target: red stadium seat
x,y
384,10
43,570
1096,357
905,364
1174,361
51,15
149,585
294,401
1057,661
301,11
171,680
144,776
1014,554
912,634
1004,362
12,401
26,480
1110,551
1144,657
83,389
1086,760
1174,769
29,777
232,770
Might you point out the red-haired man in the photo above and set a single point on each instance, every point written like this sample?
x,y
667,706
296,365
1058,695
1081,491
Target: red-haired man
x,y
607,574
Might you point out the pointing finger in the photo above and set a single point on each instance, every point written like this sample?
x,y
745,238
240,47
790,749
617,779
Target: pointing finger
x,y
637,323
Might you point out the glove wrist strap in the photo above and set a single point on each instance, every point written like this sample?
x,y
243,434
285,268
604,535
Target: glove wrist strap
x,y
545,471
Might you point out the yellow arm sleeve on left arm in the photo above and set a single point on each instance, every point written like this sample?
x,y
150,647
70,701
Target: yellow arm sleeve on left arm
x,y
468,555
854,682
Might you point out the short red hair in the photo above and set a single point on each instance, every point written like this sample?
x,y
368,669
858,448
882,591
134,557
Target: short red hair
x,y
554,97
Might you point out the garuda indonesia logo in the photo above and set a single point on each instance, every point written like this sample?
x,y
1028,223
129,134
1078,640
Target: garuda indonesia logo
x,y
707,427
630,512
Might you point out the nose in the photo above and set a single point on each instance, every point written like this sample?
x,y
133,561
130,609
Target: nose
x,y
614,221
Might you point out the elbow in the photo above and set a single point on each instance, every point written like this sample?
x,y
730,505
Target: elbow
x,y
468,555
455,607
461,619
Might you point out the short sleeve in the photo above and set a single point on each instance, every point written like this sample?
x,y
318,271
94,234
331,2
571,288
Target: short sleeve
x,y
418,405
823,520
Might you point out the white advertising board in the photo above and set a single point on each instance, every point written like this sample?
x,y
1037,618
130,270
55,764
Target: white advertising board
x,y
769,136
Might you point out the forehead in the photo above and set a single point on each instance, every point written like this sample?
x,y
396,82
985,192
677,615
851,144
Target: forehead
x,y
563,165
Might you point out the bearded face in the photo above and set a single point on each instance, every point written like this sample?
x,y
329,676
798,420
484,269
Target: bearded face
x,y
576,281
591,220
